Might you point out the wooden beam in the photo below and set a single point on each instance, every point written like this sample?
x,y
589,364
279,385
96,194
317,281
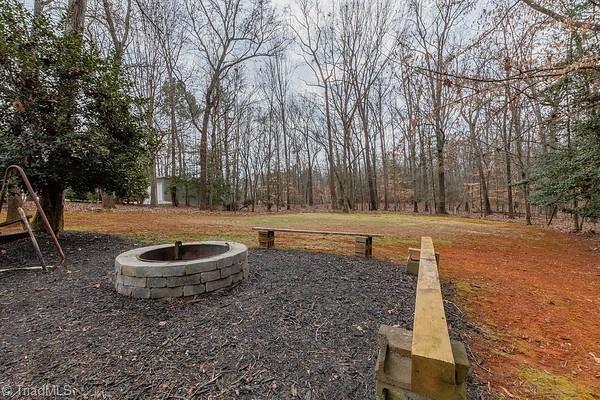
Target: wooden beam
x,y
258,228
433,367
13,221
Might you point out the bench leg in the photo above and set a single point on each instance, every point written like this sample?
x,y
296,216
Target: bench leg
x,y
266,239
412,262
363,246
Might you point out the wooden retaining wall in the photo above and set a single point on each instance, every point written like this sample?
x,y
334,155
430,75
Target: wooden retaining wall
x,y
423,363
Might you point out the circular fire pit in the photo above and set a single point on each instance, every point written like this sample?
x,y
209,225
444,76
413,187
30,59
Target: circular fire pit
x,y
181,269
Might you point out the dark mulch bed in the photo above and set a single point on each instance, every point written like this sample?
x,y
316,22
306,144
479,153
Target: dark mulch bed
x,y
304,326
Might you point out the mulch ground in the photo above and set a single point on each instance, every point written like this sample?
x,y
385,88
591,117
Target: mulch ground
x,y
304,326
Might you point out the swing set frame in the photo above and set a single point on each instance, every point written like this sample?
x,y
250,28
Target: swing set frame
x,y
24,221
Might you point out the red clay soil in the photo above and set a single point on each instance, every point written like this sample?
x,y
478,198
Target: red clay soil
x,y
539,296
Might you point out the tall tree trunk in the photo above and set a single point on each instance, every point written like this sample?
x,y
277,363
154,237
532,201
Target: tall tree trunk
x,y
575,216
277,162
52,195
521,162
511,207
226,128
432,179
173,123
344,184
440,204
485,194
214,166
507,139
286,158
332,190
309,186
309,177
413,169
384,166
367,158
347,185
440,140
268,172
13,202
52,202
76,16
203,151
413,174
423,168
38,7
153,182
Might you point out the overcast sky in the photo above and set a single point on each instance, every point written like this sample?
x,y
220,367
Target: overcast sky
x,y
302,73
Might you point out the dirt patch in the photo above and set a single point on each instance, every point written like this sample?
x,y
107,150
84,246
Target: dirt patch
x,y
303,326
537,297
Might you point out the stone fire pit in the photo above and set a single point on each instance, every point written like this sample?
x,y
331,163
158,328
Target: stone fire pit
x,y
181,269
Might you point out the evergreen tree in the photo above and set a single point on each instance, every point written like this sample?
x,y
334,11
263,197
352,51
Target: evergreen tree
x,y
65,112
568,176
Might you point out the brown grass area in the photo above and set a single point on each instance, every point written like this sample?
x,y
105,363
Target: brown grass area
x,y
533,292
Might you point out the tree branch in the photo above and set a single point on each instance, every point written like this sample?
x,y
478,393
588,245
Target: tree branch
x,y
573,23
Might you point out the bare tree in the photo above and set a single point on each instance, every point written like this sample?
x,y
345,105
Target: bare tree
x,y
570,22
312,37
434,43
118,33
225,34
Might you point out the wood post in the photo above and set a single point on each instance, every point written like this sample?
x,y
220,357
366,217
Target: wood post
x,y
394,367
414,257
412,262
266,239
364,246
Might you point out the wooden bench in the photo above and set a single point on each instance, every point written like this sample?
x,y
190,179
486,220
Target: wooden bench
x,y
423,363
363,243
10,236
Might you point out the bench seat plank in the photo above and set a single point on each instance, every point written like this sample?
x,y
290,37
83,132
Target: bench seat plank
x,y
14,221
258,228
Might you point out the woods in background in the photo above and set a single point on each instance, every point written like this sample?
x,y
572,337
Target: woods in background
x,y
427,106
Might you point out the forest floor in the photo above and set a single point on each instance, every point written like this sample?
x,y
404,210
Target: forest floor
x,y
532,292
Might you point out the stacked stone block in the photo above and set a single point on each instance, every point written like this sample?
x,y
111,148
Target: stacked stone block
x,y
150,279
